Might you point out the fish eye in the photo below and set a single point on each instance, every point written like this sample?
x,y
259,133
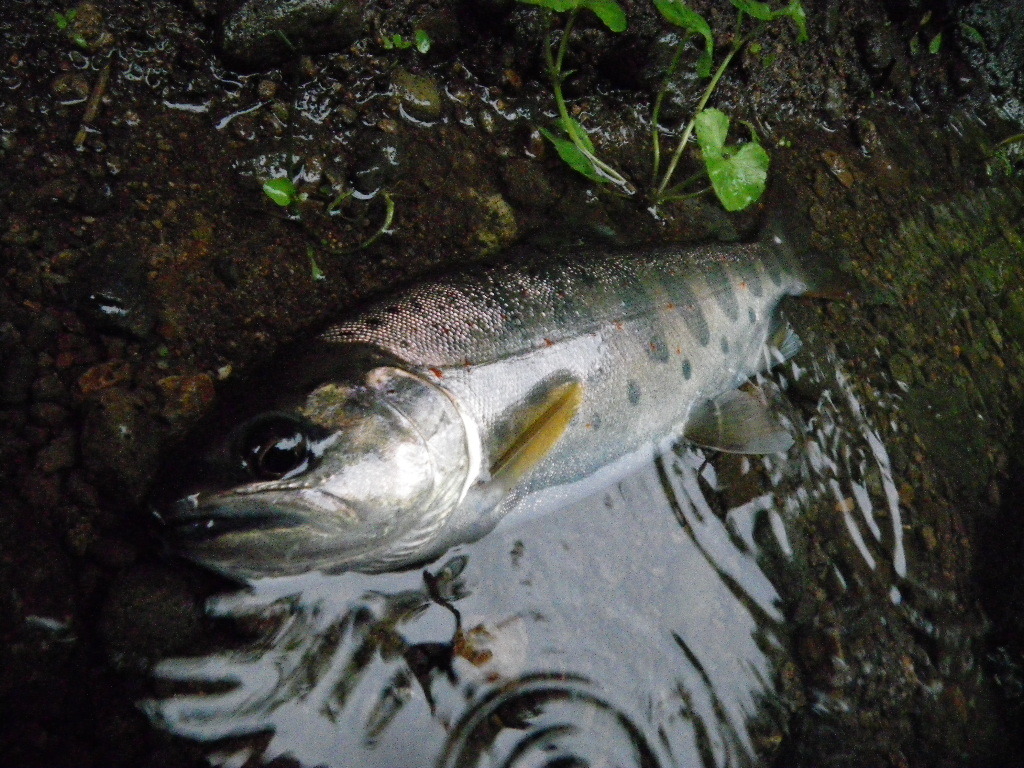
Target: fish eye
x,y
273,447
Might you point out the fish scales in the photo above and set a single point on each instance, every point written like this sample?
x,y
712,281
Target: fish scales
x,y
425,419
643,332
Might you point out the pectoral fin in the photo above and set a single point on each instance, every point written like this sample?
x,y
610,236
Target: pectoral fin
x,y
736,422
542,431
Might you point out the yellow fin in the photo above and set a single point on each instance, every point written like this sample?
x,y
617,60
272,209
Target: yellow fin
x,y
540,435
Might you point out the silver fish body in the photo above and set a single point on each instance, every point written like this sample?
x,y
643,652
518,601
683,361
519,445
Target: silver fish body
x,y
423,420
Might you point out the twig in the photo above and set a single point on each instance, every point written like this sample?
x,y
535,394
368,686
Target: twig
x,y
92,106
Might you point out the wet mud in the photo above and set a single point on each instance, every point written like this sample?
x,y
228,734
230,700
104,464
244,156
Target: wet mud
x,y
143,266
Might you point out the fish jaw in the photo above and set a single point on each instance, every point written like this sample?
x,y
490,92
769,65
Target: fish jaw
x,y
375,493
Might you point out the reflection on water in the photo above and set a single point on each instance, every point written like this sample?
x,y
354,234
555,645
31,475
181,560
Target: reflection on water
x,y
643,626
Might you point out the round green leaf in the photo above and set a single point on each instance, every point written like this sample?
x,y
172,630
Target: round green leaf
x,y
712,126
423,41
740,179
281,191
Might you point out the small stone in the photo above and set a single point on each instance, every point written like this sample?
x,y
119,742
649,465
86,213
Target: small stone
x,y
48,414
103,376
186,398
57,455
266,89
419,95
120,444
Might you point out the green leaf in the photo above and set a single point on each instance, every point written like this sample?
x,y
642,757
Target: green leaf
x,y
556,5
739,179
574,157
795,11
677,12
936,44
281,191
422,39
608,11
712,126
760,11
972,34
577,133
314,269
763,12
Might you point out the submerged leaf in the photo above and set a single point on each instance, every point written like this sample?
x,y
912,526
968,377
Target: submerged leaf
x,y
677,12
423,41
574,129
281,191
574,156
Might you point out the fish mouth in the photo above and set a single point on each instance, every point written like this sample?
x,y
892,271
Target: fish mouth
x,y
188,523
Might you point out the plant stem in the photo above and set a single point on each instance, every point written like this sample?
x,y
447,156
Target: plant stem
x,y
656,111
1011,140
570,125
678,188
693,120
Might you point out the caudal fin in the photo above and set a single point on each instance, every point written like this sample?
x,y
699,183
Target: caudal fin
x,y
786,234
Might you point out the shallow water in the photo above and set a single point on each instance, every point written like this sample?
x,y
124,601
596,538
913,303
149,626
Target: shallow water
x,y
645,625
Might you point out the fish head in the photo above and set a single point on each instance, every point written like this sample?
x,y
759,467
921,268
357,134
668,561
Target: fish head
x,y
354,476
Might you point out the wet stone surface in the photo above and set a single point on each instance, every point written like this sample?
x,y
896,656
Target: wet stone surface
x,y
135,152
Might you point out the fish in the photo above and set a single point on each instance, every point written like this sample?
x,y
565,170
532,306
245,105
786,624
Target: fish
x,y
423,420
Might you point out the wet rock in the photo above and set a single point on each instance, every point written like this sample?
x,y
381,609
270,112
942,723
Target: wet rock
x,y
186,398
149,613
878,46
992,36
377,164
115,296
57,455
113,553
419,95
262,33
443,27
495,222
120,444
103,376
48,388
527,185
19,371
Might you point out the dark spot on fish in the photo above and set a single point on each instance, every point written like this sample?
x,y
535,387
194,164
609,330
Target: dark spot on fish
x,y
393,309
658,349
687,369
373,322
717,279
689,309
752,314
725,346
633,392
595,422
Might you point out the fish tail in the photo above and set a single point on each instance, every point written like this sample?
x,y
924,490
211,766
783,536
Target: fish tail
x,y
786,234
